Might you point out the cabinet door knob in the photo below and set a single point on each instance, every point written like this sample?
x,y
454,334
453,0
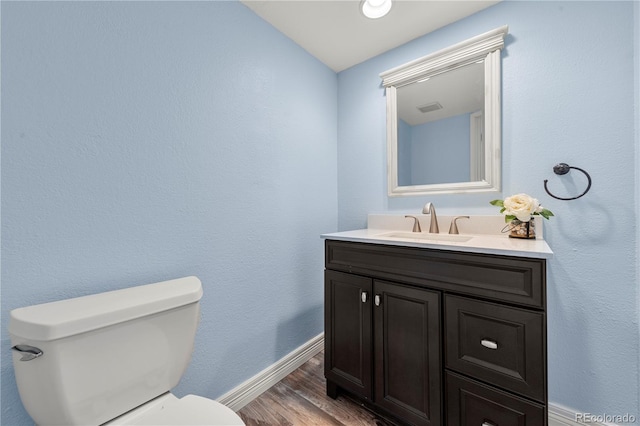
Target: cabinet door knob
x,y
364,296
489,344
485,423
377,300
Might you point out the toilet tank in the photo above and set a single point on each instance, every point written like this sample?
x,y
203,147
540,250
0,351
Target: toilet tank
x,y
104,354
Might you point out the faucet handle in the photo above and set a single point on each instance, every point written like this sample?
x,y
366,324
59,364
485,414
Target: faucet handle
x,y
416,224
453,229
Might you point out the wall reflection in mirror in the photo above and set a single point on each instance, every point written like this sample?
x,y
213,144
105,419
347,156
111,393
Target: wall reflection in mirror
x,y
440,127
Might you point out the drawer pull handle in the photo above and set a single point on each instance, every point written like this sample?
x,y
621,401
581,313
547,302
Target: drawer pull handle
x,y
491,345
364,296
487,424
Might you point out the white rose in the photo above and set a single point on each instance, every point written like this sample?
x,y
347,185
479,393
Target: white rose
x,y
521,206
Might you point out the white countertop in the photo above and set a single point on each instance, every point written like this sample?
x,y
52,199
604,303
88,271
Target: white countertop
x,y
480,243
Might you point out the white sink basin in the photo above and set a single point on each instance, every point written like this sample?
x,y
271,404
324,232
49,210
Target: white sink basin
x,y
422,236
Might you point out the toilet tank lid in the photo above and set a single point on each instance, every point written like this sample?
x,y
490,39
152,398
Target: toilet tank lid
x,y
55,320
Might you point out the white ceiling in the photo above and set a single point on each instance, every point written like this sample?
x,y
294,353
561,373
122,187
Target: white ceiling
x,y
339,35
459,91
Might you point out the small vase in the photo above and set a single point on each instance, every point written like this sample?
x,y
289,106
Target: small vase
x,y
519,229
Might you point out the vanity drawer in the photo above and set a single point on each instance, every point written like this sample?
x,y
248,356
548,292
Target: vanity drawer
x,y
505,279
470,403
497,344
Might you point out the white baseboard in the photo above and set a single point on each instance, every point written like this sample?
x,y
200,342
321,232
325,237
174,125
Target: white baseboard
x,y
561,416
247,391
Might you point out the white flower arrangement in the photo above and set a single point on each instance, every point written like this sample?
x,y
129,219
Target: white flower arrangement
x,y
521,207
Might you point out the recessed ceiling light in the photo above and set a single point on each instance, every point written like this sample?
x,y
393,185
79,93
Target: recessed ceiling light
x,y
375,9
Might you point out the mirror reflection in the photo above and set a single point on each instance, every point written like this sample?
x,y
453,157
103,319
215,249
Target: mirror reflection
x,y
440,128
444,119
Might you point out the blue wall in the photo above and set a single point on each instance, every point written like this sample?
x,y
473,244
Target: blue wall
x,y
434,152
440,151
569,80
147,141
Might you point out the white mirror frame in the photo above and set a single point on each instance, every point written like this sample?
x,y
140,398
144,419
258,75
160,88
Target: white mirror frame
x,y
486,46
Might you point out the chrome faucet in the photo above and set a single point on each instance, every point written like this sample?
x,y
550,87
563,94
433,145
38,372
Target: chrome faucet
x,y
431,210
453,228
416,223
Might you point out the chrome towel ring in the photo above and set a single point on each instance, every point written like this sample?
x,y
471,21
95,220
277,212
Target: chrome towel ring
x,y
563,169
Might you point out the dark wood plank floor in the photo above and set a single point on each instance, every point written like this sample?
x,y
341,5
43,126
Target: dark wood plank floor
x,y
300,399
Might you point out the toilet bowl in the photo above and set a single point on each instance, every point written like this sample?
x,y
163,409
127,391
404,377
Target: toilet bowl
x,y
112,358
168,410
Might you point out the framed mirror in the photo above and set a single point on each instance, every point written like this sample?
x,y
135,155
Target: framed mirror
x,y
443,120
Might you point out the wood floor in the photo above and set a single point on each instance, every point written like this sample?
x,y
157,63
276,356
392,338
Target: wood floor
x,y
300,399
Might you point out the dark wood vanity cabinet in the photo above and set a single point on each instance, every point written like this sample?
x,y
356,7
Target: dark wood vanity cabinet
x,y
433,337
381,344
348,334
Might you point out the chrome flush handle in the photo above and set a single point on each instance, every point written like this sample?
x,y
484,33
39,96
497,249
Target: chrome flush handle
x,y
28,352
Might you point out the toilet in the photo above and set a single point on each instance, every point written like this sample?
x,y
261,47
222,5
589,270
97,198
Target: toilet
x,y
112,358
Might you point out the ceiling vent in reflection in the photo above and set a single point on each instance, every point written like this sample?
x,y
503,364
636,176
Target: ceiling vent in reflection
x,y
430,107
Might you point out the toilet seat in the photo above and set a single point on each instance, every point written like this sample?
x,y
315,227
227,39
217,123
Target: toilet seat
x,y
190,410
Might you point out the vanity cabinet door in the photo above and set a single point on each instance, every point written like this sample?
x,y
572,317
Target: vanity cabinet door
x,y
408,365
348,333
